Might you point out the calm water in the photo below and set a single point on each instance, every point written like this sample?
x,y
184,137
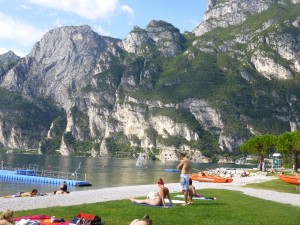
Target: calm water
x,y
101,173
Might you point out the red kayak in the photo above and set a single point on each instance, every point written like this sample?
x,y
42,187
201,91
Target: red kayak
x,y
203,177
290,179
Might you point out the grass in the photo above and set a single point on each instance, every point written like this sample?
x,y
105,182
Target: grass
x,y
276,185
231,207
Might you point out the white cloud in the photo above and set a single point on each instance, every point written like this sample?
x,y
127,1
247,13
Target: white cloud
x,y
16,51
89,9
126,8
3,50
25,7
19,53
13,29
101,31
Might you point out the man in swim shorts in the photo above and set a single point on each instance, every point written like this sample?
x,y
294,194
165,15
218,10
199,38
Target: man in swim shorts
x,y
185,165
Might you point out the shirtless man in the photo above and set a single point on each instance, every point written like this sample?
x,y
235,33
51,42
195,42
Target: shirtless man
x,y
185,165
33,193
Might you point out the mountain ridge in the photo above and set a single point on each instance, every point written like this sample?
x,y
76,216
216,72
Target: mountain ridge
x,y
159,91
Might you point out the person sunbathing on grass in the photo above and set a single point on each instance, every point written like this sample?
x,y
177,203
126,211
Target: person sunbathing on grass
x,y
159,199
197,195
145,221
6,218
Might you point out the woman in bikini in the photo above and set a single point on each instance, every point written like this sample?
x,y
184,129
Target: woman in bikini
x,y
159,199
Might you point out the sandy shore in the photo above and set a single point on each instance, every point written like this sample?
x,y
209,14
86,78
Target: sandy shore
x,y
108,194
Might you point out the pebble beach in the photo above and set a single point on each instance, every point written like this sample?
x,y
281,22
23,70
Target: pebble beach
x,y
118,193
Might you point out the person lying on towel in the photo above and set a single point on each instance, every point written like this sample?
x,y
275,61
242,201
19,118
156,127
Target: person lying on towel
x,y
32,193
197,195
159,199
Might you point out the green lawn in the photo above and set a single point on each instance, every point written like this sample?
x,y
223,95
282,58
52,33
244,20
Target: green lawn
x,y
231,207
276,185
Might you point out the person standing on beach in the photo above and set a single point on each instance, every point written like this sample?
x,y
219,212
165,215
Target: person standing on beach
x,y
185,166
2,162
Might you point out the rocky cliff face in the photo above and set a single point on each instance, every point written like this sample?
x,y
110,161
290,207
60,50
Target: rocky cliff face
x,y
7,61
59,63
164,36
280,39
160,91
226,13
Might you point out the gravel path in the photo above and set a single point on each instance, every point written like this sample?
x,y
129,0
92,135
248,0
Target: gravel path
x,y
108,194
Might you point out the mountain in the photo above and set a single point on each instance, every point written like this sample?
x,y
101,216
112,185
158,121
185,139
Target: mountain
x,y
160,91
7,61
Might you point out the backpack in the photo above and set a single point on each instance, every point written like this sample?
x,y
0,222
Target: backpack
x,y
87,219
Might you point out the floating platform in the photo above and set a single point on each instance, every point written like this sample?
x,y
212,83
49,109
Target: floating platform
x,y
27,175
172,170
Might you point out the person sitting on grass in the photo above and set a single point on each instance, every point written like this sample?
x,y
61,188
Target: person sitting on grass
x,y
6,217
197,195
159,199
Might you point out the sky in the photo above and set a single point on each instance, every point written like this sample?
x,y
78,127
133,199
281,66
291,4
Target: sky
x,y
24,22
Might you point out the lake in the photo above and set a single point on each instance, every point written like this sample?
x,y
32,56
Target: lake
x,y
100,172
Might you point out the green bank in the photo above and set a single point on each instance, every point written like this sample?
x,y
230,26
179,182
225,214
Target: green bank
x,y
231,207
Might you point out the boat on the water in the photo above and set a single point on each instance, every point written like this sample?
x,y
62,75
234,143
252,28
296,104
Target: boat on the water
x,y
203,177
290,179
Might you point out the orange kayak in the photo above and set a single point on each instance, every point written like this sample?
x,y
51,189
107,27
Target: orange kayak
x,y
290,179
203,177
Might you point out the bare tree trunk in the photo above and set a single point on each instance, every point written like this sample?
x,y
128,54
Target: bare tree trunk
x,y
296,160
262,159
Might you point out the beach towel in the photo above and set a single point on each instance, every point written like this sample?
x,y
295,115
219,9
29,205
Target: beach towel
x,y
174,201
32,217
155,206
197,198
39,220
57,221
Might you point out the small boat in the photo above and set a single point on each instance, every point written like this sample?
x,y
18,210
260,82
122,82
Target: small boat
x,y
290,179
203,177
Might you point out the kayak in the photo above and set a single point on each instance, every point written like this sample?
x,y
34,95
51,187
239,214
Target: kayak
x,y
290,179
203,177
